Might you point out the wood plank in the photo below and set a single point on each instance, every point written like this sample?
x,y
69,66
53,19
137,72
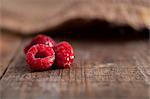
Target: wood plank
x,y
143,62
107,70
8,47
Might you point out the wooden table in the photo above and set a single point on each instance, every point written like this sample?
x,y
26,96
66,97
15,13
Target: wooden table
x,y
101,70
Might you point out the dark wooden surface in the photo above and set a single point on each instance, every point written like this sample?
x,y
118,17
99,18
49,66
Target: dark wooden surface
x,y
102,70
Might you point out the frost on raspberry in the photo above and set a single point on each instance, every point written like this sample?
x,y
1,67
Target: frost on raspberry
x,y
40,57
64,55
40,39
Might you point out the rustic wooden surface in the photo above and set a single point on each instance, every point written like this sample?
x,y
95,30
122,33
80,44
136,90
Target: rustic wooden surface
x,y
32,16
106,70
7,50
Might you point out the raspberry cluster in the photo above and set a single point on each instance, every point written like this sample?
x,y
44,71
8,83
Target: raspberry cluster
x,y
43,52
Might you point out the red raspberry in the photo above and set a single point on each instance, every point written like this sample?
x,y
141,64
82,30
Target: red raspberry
x,y
40,57
40,39
64,55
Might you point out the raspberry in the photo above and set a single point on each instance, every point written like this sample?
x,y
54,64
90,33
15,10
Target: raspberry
x,y
40,57
40,39
64,54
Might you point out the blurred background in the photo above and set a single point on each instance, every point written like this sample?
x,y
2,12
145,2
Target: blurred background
x,y
111,42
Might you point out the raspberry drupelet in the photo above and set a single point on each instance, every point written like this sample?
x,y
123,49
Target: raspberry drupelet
x,y
64,55
42,53
40,57
40,39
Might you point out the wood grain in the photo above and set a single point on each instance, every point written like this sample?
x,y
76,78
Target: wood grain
x,y
107,70
8,47
32,16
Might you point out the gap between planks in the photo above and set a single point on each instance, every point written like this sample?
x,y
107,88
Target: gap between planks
x,y
9,46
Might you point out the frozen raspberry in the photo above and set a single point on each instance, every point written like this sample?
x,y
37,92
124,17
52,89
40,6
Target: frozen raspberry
x,y
40,39
64,55
40,57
